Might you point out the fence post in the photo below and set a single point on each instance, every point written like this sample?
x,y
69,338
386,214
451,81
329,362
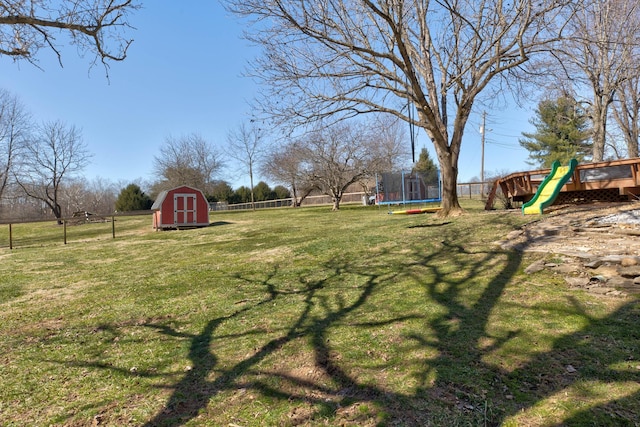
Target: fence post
x,y
113,226
64,227
10,237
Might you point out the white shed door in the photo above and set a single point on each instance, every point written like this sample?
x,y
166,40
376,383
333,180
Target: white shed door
x,y
184,209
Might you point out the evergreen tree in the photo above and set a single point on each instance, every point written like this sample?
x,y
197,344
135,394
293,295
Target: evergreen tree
x,y
262,192
281,192
132,198
221,191
562,133
426,167
242,195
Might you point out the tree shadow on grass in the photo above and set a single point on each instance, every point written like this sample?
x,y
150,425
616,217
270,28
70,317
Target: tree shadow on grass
x,y
430,225
465,340
195,390
461,384
218,223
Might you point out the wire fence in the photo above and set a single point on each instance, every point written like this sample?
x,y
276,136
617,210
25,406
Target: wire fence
x,y
15,233
357,197
474,190
468,190
20,233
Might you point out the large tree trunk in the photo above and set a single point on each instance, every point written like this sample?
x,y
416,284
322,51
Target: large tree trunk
x,y
448,161
450,206
448,154
632,147
336,197
57,211
599,118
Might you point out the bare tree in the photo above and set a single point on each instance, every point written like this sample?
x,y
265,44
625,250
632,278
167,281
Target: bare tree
x,y
97,196
94,26
344,58
55,154
600,54
246,145
100,195
14,129
285,165
626,112
189,160
390,144
19,205
338,156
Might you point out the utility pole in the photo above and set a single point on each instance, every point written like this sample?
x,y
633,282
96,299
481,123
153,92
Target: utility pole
x,y
483,131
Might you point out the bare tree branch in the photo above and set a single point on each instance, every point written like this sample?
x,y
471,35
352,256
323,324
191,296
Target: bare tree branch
x,y
94,26
188,160
599,54
14,131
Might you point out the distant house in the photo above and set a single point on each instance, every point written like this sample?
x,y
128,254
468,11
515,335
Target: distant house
x,y
181,207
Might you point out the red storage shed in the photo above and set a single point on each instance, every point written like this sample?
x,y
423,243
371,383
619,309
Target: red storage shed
x,y
182,207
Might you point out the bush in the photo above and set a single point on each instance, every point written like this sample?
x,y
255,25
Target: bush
x,y
132,198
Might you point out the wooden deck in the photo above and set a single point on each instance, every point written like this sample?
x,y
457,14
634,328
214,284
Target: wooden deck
x,y
613,181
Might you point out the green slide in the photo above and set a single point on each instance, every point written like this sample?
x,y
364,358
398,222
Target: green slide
x,y
550,187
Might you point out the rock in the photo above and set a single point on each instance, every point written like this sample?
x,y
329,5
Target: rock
x,y
580,253
613,259
629,261
631,272
577,282
594,264
535,267
566,268
600,290
620,282
636,281
606,271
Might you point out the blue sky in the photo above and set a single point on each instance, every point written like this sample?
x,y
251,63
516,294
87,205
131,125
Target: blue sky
x,y
183,74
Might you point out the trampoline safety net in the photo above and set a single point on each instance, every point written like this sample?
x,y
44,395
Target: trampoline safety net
x,y
407,187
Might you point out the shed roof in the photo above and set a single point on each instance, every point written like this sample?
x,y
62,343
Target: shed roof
x,y
157,205
159,200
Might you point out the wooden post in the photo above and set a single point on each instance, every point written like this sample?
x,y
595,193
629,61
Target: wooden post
x,y
64,227
10,238
113,226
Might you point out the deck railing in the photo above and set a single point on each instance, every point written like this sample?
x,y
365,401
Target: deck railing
x,y
615,178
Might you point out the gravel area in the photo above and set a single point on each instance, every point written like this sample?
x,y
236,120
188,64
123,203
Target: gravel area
x,y
629,217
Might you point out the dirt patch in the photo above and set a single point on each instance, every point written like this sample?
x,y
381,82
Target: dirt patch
x,y
597,247
271,255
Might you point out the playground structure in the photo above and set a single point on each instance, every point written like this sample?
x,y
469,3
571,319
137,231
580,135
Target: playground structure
x,y
403,188
613,181
550,188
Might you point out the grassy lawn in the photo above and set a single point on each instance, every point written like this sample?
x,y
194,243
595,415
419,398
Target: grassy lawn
x,y
306,317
